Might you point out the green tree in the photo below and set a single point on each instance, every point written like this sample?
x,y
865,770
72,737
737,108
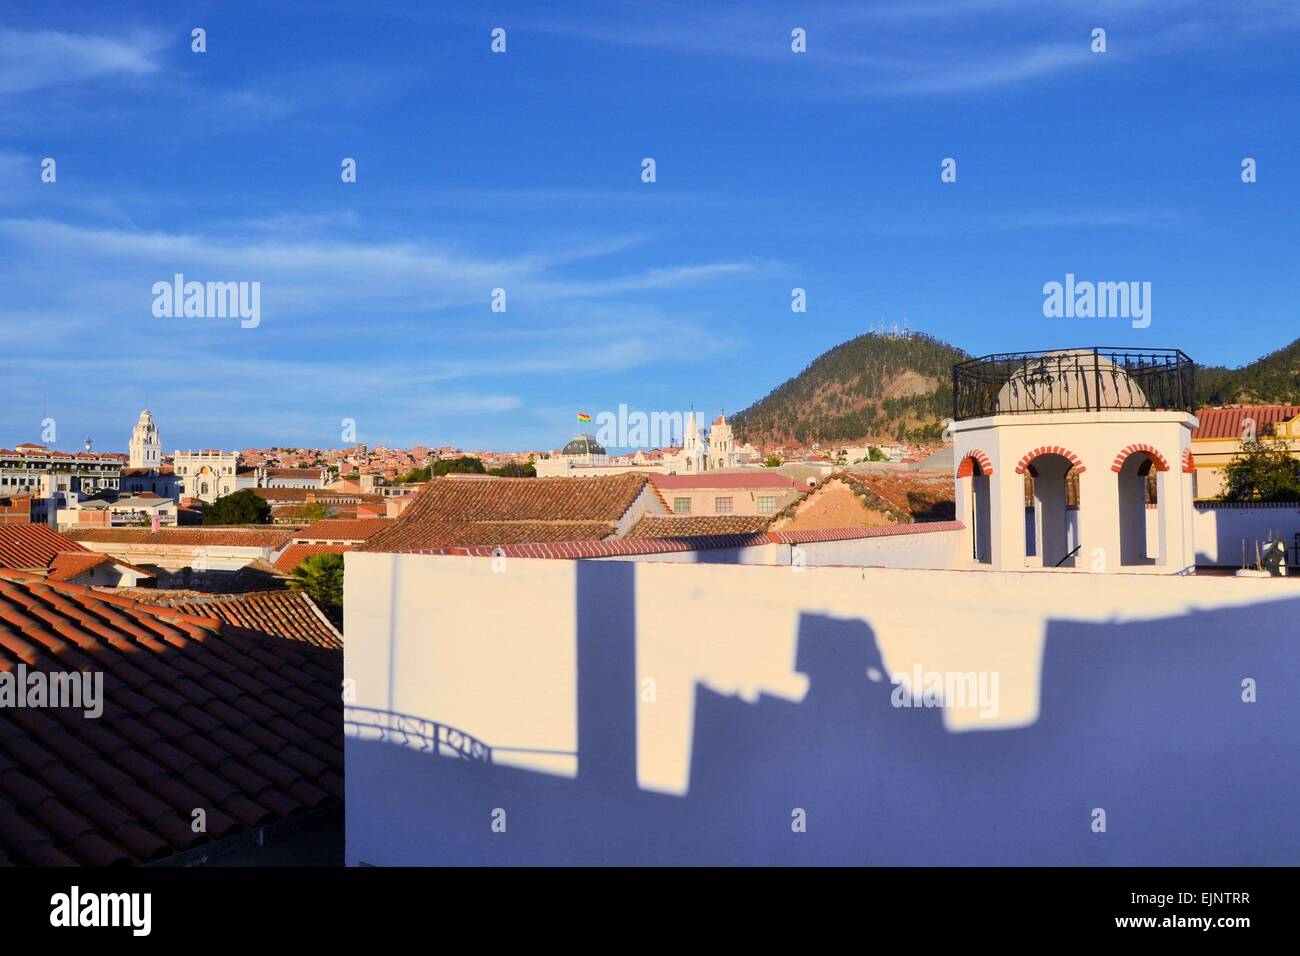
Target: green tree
x,y
1262,470
515,470
242,507
875,454
414,476
772,461
464,465
320,577
315,512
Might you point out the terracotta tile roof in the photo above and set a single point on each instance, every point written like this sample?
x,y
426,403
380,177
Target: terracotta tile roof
x,y
342,529
613,547
295,554
875,531
757,479
197,715
68,565
1227,422
904,495
288,613
322,496
668,526
632,546
498,511
30,546
216,536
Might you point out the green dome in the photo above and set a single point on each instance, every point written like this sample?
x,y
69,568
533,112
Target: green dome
x,y
583,444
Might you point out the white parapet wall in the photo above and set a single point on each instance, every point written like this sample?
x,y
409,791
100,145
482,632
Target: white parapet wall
x,y
1224,532
573,669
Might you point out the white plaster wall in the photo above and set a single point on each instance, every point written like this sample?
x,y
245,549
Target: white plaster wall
x,y
494,653
174,557
1219,531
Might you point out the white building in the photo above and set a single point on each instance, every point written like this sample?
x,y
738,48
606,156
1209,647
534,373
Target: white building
x,y
211,474
146,474
145,447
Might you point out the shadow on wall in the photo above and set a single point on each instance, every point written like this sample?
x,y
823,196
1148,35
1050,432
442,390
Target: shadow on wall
x,y
1144,721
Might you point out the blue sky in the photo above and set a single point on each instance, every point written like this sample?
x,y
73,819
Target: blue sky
x,y
522,171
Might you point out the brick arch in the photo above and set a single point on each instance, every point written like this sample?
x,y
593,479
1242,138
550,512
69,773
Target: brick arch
x,y
1189,463
1157,459
1051,450
967,467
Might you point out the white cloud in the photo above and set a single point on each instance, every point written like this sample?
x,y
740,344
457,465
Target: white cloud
x,y
32,60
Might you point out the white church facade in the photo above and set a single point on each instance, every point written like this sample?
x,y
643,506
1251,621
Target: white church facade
x,y
584,455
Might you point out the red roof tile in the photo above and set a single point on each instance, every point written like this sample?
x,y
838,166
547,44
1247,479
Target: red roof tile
x,y
340,529
449,513
296,554
197,714
216,536
669,526
288,613
1227,422
31,546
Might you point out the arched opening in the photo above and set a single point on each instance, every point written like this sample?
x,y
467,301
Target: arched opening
x,y
1139,474
973,479
1051,510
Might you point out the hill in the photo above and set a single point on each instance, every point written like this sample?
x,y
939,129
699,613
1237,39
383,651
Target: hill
x,y
878,387
874,386
1271,380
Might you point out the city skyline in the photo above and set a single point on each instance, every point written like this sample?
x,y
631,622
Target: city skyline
x,y
478,171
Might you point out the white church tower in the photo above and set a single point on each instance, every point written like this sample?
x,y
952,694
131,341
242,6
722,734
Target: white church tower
x,y
722,445
145,448
692,458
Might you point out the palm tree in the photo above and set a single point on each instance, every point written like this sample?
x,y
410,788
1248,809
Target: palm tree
x,y
320,577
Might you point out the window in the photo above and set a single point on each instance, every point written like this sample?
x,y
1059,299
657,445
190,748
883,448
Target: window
x,y
682,506
722,506
766,506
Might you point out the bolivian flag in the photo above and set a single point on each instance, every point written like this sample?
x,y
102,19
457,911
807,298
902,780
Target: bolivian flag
x,y
584,418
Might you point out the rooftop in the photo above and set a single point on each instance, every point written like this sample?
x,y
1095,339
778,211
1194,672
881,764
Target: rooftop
x,y
288,613
1073,380
197,714
1227,422
449,513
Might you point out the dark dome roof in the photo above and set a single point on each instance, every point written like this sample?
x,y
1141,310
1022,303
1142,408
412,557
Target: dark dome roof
x,y
583,444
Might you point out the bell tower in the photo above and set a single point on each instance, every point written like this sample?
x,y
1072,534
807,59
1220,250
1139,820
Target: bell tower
x,y
145,448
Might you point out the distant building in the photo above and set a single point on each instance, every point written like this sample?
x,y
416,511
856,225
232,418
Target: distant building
x,y
210,474
145,473
721,493
145,447
52,479
295,477
1220,432
127,511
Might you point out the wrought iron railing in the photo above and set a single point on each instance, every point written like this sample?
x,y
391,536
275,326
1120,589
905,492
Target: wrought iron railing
x,y
418,733
1073,380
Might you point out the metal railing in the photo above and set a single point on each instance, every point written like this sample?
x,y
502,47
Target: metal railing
x,y
1073,380
417,733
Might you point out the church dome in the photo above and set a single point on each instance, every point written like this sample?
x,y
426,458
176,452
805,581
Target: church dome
x,y
582,444
1069,380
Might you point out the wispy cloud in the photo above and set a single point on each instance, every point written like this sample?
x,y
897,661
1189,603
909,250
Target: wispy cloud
x,y
34,59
